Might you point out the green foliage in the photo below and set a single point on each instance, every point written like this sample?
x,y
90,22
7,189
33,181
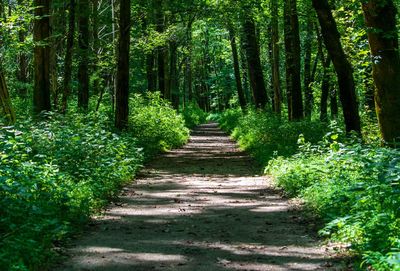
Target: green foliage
x,y
56,172
53,175
193,115
354,188
261,133
156,124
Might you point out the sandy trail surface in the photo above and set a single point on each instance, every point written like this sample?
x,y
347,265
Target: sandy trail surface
x,y
201,207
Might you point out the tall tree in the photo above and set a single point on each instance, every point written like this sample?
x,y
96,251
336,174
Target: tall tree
x,y
122,94
23,62
308,95
41,60
68,56
236,67
5,101
83,65
275,57
292,46
342,66
253,61
380,18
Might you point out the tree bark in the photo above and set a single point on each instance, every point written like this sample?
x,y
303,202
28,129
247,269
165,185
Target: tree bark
x,y
5,101
325,89
275,57
293,67
122,93
236,68
41,60
174,80
68,57
342,66
380,18
308,95
22,74
83,66
254,63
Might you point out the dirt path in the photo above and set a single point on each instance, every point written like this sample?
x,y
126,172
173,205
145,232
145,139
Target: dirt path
x,y
201,207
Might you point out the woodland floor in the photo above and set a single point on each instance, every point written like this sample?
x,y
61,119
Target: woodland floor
x,y
201,207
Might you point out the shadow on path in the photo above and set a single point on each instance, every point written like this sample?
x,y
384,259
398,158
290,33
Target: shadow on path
x,y
201,207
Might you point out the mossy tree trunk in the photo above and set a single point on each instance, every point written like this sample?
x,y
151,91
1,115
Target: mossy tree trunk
x,y
380,18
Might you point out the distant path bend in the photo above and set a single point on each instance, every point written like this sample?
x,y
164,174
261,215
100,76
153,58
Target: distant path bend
x,y
201,207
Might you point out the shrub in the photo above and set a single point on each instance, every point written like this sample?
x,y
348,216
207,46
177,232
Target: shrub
x,y
156,124
193,115
355,189
266,135
55,173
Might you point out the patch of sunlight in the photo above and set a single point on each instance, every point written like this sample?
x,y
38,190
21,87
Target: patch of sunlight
x,y
270,209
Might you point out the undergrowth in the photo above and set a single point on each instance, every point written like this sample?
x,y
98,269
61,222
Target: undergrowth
x,y
351,185
193,115
58,171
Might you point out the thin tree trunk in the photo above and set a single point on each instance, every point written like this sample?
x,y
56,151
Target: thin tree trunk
x,y
254,63
5,100
342,66
380,18
325,89
41,61
275,57
96,47
308,103
22,74
238,80
68,57
334,104
174,80
122,94
83,40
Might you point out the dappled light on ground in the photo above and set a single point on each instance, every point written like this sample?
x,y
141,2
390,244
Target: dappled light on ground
x,y
202,207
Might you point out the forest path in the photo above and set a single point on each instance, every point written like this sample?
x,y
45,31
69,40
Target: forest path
x,y
201,207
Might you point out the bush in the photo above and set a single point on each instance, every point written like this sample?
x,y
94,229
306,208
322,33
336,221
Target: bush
x,y
156,124
53,176
55,173
193,115
266,135
355,189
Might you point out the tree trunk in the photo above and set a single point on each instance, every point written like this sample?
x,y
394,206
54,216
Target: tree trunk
x,y
254,63
342,66
68,57
150,72
275,57
292,45
325,89
308,95
174,80
122,94
96,48
188,64
238,80
41,60
334,104
380,18
83,66
22,74
5,101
